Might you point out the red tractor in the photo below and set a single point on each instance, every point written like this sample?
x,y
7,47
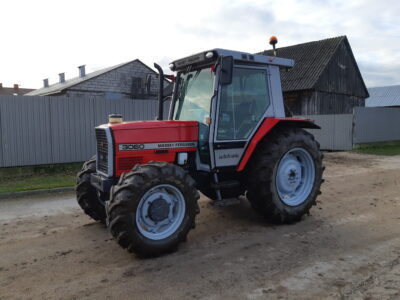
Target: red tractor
x,y
226,136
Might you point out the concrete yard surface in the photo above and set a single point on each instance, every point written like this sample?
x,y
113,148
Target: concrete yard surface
x,y
347,248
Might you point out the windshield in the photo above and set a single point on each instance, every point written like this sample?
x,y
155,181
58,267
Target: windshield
x,y
195,90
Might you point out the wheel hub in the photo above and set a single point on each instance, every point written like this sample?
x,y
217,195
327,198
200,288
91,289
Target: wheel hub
x,y
295,176
289,175
159,209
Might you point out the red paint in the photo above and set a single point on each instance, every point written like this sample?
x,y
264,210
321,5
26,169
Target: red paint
x,y
150,132
152,124
266,126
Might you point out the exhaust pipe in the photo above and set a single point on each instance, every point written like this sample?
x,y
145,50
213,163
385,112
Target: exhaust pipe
x,y
160,91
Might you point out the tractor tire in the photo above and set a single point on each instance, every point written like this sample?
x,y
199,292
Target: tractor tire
x,y
152,208
87,195
285,175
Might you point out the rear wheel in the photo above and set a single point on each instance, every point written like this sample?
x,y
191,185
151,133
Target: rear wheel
x,y
285,175
152,208
89,199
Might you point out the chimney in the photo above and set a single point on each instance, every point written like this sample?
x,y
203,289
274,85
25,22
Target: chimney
x,y
62,77
16,87
82,72
46,82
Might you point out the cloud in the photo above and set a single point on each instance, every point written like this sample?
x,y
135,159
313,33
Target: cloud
x,y
233,20
373,29
40,42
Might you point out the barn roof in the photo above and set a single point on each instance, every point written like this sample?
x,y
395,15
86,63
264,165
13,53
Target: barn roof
x,y
60,87
310,61
384,96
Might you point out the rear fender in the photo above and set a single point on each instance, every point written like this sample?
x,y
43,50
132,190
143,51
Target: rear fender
x,y
267,126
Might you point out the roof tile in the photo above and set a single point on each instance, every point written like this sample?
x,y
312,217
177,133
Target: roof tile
x,y
310,59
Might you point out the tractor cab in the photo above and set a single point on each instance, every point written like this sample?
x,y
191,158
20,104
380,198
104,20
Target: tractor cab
x,y
229,94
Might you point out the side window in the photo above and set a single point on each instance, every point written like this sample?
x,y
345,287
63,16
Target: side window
x,y
242,103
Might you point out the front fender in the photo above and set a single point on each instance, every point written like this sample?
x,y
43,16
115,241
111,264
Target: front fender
x,y
266,126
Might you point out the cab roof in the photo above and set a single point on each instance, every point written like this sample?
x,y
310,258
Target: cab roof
x,y
201,58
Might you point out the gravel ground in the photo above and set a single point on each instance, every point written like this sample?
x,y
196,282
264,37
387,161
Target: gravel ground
x,y
348,248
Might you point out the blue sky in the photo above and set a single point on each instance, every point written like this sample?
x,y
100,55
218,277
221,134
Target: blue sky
x,y
45,37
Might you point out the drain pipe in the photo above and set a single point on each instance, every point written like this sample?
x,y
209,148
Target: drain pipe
x,y
160,91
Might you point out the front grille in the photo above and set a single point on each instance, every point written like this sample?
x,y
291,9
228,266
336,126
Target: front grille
x,y
102,150
127,163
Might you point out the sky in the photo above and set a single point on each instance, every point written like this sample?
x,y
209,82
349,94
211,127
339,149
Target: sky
x,y
42,38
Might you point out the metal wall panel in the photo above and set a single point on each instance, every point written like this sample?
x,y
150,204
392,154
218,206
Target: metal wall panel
x,y
72,122
24,131
46,130
376,124
336,131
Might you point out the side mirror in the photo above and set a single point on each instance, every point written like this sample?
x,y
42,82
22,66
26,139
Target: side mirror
x,y
226,70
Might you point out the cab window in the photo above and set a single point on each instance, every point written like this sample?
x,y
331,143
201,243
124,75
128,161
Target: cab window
x,y
242,103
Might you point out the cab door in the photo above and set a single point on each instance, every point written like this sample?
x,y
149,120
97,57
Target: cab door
x,y
241,107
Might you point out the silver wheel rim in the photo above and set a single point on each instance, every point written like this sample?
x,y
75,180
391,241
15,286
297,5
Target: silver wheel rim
x,y
160,212
295,176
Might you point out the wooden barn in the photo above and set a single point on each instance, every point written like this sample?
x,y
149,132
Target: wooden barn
x,y
324,80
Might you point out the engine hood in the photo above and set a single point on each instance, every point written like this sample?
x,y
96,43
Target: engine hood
x,y
150,125
153,131
144,141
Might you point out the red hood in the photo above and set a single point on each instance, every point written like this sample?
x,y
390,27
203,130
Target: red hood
x,y
152,124
151,136
154,131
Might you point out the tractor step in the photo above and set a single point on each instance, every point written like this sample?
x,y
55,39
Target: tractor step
x,y
228,184
225,202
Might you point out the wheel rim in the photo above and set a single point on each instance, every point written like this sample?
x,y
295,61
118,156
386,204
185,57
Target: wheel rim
x,y
295,176
160,212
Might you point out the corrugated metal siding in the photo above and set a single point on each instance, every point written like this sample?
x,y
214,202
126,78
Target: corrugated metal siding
x,y
46,130
72,122
336,131
366,125
24,126
376,124
384,96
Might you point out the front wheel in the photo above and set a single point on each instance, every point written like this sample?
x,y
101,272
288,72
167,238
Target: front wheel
x,y
152,208
89,199
285,175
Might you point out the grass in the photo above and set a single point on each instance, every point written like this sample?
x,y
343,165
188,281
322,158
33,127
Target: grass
x,y
38,177
384,148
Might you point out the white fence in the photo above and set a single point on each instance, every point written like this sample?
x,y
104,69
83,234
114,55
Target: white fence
x,y
365,125
336,131
376,124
